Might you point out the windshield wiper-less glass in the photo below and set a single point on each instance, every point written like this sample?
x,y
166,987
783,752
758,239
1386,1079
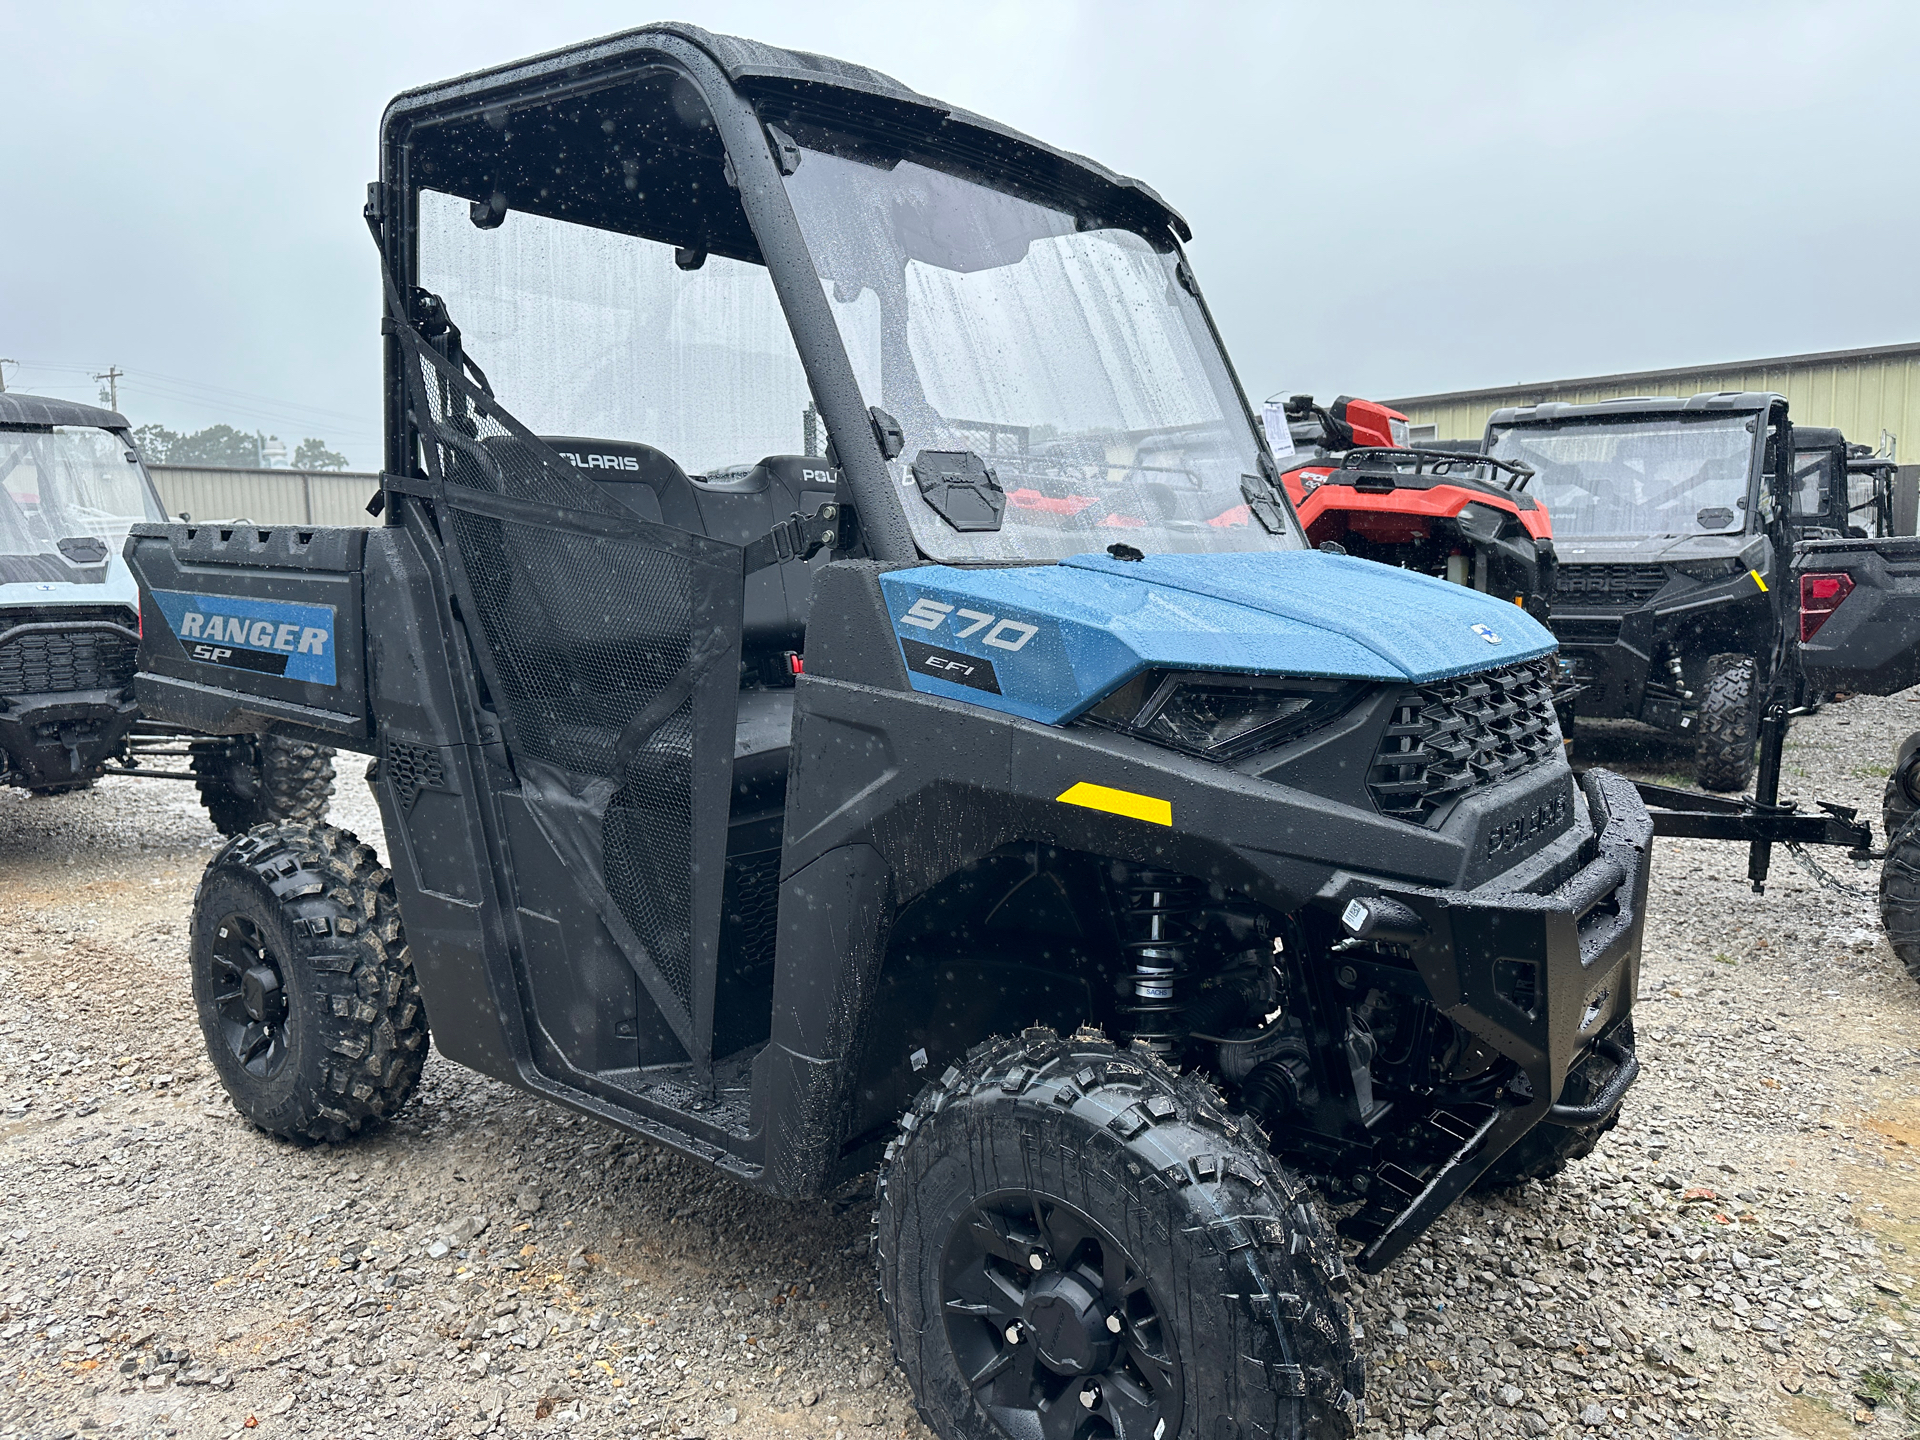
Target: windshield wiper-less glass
x,y
1063,355
1633,476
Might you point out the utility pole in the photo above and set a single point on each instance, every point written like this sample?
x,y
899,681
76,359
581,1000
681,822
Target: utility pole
x,y
112,376
3,373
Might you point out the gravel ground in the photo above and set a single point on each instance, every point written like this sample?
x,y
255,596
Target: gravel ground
x,y
1734,1260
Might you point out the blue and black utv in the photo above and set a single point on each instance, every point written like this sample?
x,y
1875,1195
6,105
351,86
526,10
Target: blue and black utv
x,y
71,485
1006,801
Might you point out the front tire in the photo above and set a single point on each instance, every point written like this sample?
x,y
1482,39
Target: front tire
x,y
251,780
1073,1241
1901,798
303,983
1729,724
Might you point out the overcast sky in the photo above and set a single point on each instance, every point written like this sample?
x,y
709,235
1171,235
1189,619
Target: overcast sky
x,y
1386,199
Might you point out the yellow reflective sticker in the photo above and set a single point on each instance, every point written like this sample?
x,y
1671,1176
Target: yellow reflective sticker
x,y
1118,802
1757,580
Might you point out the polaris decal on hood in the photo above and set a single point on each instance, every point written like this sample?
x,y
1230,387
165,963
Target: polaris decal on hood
x,y
276,637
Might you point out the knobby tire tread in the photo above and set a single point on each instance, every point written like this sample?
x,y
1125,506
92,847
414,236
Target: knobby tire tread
x,y
1244,1233
1895,808
369,1024
295,783
1729,724
1900,895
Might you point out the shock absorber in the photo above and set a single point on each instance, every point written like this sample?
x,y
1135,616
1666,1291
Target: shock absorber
x,y
1155,909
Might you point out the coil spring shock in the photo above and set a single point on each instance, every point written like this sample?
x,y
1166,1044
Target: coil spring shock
x,y
1154,908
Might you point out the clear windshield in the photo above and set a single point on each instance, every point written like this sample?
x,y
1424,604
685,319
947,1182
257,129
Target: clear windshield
x,y
1638,477
1070,360
593,333
68,483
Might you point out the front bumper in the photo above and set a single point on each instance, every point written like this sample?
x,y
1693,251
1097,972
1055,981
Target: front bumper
x,y
62,738
1610,657
1539,978
1617,654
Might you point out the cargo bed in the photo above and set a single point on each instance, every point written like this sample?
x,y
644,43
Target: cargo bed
x,y
1859,614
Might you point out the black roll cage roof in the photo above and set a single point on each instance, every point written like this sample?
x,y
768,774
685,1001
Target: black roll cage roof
x,y
800,79
749,90
1707,402
22,410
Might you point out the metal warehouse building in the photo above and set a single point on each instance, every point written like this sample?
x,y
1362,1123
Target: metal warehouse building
x,y
1871,395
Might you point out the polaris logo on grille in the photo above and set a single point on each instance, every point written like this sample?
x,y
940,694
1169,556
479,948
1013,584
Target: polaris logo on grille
x,y
1512,834
1485,632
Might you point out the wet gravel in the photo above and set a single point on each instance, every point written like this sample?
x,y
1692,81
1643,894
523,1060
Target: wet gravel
x,y
1737,1258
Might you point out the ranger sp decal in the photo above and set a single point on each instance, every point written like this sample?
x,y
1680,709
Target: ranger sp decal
x,y
274,637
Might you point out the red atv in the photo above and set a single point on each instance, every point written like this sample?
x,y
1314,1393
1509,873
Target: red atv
x,y
1454,514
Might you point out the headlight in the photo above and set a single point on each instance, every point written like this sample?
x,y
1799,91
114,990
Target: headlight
x,y
1724,568
1223,717
1481,522
1401,432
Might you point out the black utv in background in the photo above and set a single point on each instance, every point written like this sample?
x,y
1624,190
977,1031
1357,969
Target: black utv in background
x,y
71,486
1008,803
1859,632
1670,604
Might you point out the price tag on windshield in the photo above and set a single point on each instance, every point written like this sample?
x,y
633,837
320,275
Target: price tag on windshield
x,y
1273,415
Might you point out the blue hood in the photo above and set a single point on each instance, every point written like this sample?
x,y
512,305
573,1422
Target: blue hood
x,y
1048,641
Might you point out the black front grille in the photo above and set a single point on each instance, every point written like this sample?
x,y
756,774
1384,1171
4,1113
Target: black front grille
x,y
1586,629
1614,587
1454,737
75,656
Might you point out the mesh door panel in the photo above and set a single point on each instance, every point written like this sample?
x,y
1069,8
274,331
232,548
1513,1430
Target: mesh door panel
x,y
614,650
586,632
649,863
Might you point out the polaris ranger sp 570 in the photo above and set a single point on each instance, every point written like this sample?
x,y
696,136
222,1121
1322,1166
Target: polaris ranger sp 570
x,y
1068,842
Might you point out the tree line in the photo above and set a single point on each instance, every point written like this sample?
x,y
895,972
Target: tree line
x,y
228,448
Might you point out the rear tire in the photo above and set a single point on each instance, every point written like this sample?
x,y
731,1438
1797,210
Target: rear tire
x,y
1900,895
1729,723
303,983
263,779
1065,1224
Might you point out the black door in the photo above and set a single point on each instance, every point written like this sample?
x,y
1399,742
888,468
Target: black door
x,y
611,657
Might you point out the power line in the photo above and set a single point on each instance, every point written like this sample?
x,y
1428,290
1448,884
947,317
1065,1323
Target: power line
x,y
3,373
112,376
180,387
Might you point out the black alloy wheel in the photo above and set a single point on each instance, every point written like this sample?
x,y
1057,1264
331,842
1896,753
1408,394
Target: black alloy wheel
x,y
303,983
1055,1327
251,1002
1075,1243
